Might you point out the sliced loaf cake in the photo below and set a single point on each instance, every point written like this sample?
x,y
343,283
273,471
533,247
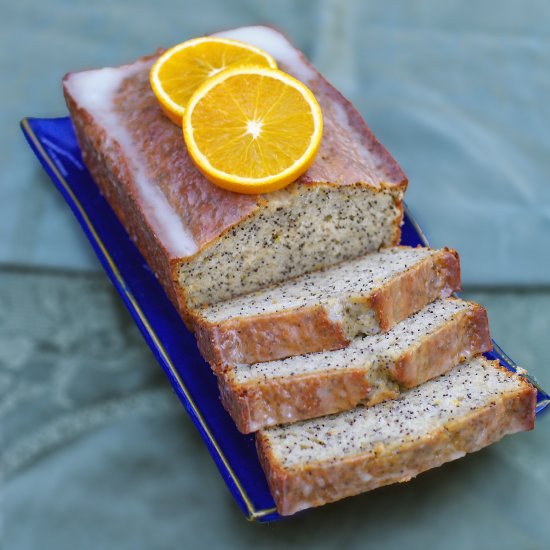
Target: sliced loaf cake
x,y
207,244
372,369
326,309
318,461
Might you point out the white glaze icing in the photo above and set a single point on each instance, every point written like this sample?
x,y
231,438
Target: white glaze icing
x,y
276,45
94,91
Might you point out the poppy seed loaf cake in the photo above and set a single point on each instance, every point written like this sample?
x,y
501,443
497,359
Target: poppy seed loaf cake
x,y
372,369
326,309
206,244
322,460
301,299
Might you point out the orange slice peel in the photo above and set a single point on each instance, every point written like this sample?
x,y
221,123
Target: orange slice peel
x,y
180,70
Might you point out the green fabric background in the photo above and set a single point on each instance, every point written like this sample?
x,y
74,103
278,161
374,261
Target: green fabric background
x,y
96,451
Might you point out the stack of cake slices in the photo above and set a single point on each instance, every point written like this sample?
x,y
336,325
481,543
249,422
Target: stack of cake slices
x,y
361,374
345,352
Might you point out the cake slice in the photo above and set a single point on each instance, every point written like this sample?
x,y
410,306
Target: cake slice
x,y
323,460
325,310
206,244
372,369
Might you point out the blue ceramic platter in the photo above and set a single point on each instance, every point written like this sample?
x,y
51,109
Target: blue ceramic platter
x,y
54,143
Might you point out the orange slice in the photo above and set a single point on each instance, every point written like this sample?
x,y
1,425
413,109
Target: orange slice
x,y
252,129
179,71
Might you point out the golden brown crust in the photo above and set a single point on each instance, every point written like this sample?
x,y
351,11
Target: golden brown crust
x,y
260,403
282,334
437,277
318,483
451,344
270,402
398,203
309,329
385,173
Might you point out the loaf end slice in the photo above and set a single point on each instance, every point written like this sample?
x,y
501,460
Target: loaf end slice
x,y
323,460
326,309
372,369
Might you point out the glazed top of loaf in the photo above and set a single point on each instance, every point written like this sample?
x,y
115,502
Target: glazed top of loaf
x,y
185,210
